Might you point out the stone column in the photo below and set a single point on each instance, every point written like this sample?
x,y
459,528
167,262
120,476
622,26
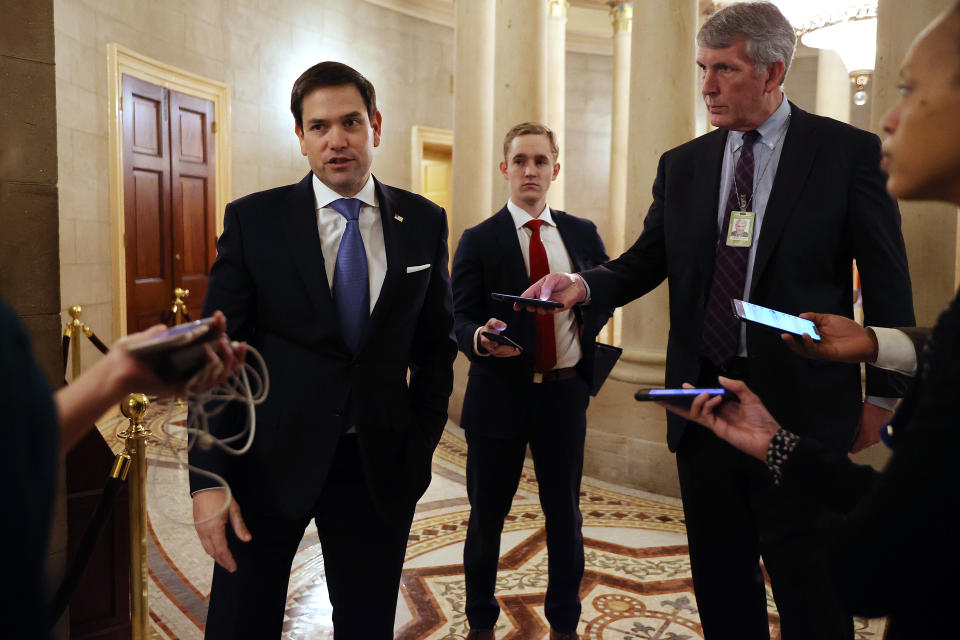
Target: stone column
x,y
520,76
833,86
662,102
930,229
621,15
29,240
472,115
556,87
626,442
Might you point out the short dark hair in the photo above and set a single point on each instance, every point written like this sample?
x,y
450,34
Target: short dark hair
x,y
330,74
531,129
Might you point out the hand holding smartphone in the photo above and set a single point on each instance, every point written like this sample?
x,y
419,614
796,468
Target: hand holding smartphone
x,y
499,338
176,354
681,396
532,302
774,319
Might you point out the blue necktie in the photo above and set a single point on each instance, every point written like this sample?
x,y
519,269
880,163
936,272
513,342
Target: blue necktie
x,y
351,289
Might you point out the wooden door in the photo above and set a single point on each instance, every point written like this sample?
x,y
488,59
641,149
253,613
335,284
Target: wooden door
x,y
192,176
437,172
146,203
168,182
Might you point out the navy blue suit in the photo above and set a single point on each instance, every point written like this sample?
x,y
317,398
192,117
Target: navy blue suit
x,y
504,410
270,281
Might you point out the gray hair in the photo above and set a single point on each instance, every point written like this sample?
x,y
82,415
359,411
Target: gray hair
x,y
769,35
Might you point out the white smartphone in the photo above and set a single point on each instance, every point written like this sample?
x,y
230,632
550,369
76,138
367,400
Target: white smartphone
x,y
774,319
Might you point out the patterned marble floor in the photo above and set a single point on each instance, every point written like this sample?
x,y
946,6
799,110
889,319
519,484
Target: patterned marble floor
x,y
636,586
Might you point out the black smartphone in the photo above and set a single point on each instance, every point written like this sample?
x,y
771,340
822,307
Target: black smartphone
x,y
177,353
774,319
533,302
501,339
680,396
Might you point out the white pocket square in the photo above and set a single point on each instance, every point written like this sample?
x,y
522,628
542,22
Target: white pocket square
x,y
419,267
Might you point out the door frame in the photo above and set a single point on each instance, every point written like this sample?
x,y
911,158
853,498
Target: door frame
x,y
420,137
124,61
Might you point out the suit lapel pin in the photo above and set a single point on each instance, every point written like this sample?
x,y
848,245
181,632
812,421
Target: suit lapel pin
x,y
398,218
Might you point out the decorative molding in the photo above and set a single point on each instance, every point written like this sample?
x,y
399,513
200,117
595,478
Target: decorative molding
x,y
641,366
440,12
123,61
558,8
579,42
621,14
443,12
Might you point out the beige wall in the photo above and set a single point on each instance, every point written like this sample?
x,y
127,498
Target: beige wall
x,y
259,49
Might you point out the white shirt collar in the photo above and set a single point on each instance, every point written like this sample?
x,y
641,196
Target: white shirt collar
x,y
324,195
770,131
521,217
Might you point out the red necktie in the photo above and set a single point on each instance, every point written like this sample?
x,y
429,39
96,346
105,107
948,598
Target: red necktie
x,y
545,352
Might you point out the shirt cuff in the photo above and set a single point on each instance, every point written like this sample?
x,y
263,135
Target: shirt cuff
x,y
883,403
781,446
895,351
585,286
476,342
207,489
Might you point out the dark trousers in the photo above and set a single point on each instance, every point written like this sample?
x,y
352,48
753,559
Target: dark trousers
x,y
555,429
362,555
734,515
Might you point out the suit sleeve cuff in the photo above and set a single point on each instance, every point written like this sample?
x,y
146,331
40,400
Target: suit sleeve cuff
x,y
476,343
895,351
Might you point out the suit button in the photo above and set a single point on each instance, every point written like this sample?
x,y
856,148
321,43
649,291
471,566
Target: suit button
x,y
337,414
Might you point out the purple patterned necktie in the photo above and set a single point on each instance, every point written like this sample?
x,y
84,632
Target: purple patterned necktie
x,y
721,329
351,288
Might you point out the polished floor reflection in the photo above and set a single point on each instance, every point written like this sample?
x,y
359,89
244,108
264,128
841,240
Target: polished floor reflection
x,y
636,585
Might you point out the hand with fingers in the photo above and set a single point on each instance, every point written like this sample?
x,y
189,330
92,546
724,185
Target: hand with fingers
x,y
211,521
565,288
841,340
495,348
747,425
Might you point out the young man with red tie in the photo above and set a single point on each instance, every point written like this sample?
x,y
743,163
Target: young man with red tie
x,y
537,395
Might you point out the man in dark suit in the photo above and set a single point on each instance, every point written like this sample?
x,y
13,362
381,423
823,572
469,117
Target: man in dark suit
x,y
341,283
813,189
897,532
538,395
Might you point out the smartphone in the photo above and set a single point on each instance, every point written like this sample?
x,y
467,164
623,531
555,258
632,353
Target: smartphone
x,y
680,396
533,302
501,339
775,319
177,353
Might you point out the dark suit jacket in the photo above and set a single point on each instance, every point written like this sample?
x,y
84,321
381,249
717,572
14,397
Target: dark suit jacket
x,y
827,207
489,260
269,280
898,533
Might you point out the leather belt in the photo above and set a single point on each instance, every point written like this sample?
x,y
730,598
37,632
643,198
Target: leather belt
x,y
555,375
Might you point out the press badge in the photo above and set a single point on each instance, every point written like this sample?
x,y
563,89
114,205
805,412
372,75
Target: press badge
x,y
740,232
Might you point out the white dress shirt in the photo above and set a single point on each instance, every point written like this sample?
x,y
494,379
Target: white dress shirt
x,y
565,323
895,351
331,226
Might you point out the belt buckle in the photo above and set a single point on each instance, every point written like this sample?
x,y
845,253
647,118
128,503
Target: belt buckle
x,y
537,377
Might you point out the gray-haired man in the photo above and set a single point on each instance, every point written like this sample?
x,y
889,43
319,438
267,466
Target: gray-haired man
x,y
810,193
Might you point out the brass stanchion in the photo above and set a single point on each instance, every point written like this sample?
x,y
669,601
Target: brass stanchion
x,y
134,407
179,306
74,330
179,314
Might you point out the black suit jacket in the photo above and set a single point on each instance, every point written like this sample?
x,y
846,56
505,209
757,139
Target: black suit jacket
x,y
897,532
269,280
828,206
489,260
